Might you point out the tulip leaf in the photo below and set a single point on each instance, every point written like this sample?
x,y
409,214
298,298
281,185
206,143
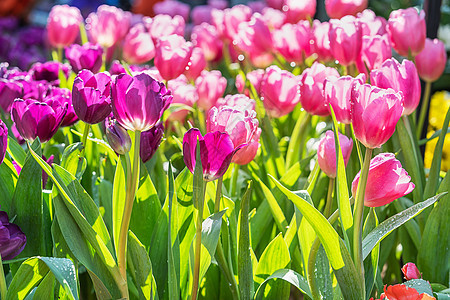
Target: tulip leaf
x,y
119,195
7,184
275,208
287,275
420,285
72,161
173,275
338,255
16,151
45,289
385,228
293,151
35,269
371,262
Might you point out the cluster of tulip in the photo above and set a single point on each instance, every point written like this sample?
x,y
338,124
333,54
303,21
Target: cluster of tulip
x,y
133,79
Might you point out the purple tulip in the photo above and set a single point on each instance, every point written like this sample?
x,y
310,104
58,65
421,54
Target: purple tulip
x,y
117,137
38,119
3,140
48,71
138,102
91,96
216,152
150,141
9,90
64,96
88,56
12,239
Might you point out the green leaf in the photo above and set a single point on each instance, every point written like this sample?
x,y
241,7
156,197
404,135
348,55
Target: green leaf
x,y
16,151
293,152
72,161
287,275
46,287
420,285
385,228
276,210
324,280
173,275
245,269
7,184
371,262
119,196
211,231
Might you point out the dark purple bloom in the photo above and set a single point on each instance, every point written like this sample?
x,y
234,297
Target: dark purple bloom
x,y
91,96
8,23
117,137
9,90
150,141
48,71
38,119
88,56
12,239
3,140
36,90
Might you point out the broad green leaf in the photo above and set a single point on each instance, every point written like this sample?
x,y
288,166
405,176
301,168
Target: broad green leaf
x,y
276,210
118,196
287,275
72,161
420,285
8,182
371,262
385,228
16,151
324,280
173,275
412,228
45,289
211,231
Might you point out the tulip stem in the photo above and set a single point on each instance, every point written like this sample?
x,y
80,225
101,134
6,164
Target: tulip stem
x,y
233,188
198,244
358,147
218,195
358,214
129,199
423,109
87,127
2,280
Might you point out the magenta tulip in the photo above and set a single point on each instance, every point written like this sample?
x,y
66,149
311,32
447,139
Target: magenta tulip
x,y
326,153
410,271
139,101
172,56
387,181
216,152
12,239
210,87
254,36
37,119
64,96
232,18
48,71
407,31
63,25
150,141
3,140
299,10
172,8
279,91
345,40
87,56
197,63
401,78
375,113
312,86
338,93
294,41
374,51
246,154
164,25
205,36
138,45
322,40
276,4
9,90
336,9
255,77
431,61
117,137
91,96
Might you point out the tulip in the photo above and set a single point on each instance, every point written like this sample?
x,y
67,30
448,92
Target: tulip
x,y
386,182
338,92
183,93
326,153
205,36
117,137
12,239
410,271
64,96
279,91
322,40
274,18
218,4
232,18
336,9
294,41
63,25
374,51
172,56
164,25
400,291
299,10
216,152
254,36
312,86
375,113
210,87
9,90
48,71
345,40
91,96
139,101
276,4
196,65
172,8
138,46
401,78
108,25
37,119
37,90
150,141
257,6
3,140
431,61
371,24
237,101
246,154
255,77
87,56
201,14
407,31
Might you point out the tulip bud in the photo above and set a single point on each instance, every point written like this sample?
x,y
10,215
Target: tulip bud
x,y
150,141
3,140
63,25
205,36
87,56
210,87
138,46
374,51
345,40
183,93
430,62
336,9
12,239
232,18
322,40
254,36
294,41
196,65
172,56
326,153
386,182
410,271
48,71
117,137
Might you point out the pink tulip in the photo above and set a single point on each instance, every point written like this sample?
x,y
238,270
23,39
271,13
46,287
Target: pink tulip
x,y
401,78
205,36
322,41
210,87
63,25
371,24
172,8
374,51
410,271
254,36
299,10
108,25
326,153
294,41
172,56
233,17
261,59
3,141
375,113
338,93
276,4
201,14
255,77
196,65
336,9
183,93
237,101
279,91
274,18
345,40
164,25
312,86
138,46
407,31
431,61
387,181
246,154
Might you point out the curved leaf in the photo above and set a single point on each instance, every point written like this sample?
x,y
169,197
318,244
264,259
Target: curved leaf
x,y
287,275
